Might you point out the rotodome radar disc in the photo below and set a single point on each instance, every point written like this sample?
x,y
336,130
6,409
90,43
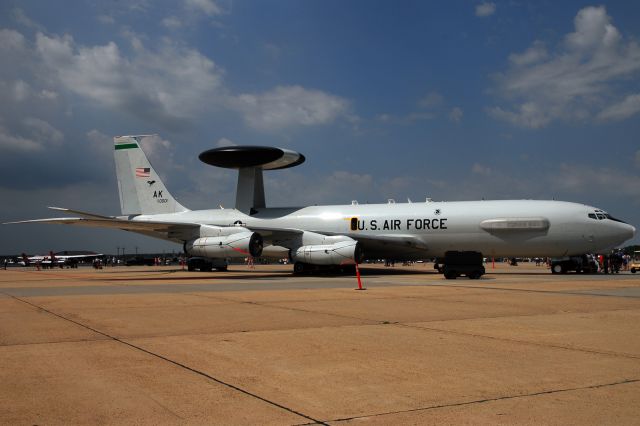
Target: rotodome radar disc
x,y
263,157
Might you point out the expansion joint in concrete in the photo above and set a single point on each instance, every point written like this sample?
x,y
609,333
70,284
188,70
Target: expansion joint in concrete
x,y
174,362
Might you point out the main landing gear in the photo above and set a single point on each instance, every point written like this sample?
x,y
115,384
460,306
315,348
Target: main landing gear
x,y
457,263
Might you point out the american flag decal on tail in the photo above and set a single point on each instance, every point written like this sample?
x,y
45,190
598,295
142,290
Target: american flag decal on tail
x,y
143,172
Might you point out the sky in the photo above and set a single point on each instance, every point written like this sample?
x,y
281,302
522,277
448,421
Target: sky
x,y
456,100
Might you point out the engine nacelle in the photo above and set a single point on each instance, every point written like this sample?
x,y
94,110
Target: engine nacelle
x,y
340,253
239,244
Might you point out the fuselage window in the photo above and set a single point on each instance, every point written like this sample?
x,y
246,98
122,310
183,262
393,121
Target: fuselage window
x,y
593,216
600,216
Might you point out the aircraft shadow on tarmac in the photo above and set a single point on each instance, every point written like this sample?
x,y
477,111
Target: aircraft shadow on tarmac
x,y
253,274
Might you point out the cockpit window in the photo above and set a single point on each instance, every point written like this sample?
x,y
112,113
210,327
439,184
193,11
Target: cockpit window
x,y
601,215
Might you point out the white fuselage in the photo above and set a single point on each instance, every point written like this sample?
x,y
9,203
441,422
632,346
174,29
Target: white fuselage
x,y
522,227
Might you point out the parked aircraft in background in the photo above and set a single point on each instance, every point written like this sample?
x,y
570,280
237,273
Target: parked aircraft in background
x,y
60,258
332,235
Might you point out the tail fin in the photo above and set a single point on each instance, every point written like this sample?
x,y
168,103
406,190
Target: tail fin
x,y
140,187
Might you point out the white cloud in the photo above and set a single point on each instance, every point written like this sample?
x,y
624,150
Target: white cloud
x,y
272,50
164,85
101,144
99,138
579,179
21,90
17,143
172,23
34,134
225,142
47,94
106,19
20,17
161,153
485,9
624,109
431,100
527,115
593,30
456,114
577,81
42,131
338,187
208,7
11,40
480,169
536,53
405,119
287,106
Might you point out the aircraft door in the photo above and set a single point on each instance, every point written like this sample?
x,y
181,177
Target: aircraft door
x,y
590,234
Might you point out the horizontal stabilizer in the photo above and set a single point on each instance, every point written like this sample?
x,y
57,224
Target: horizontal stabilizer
x,y
81,213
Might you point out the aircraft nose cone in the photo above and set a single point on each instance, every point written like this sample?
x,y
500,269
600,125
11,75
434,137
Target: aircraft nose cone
x,y
627,232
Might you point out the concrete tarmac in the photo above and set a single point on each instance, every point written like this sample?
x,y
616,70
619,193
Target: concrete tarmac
x,y
157,345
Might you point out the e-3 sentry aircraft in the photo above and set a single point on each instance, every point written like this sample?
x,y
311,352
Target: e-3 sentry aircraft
x,y
320,236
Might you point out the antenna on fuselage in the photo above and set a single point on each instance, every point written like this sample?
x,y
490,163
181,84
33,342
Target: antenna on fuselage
x,y
250,161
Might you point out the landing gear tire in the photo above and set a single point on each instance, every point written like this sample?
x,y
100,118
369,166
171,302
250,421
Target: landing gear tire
x,y
558,269
474,275
299,268
450,275
347,269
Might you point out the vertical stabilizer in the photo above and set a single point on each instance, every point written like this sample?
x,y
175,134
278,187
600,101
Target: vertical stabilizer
x,y
141,189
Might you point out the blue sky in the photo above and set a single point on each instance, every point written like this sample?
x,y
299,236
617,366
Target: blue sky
x,y
457,100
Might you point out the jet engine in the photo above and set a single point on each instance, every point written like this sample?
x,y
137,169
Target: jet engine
x,y
239,244
340,253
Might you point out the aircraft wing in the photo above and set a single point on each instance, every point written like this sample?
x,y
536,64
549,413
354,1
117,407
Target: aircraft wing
x,y
407,241
404,246
126,225
165,230
408,245
373,245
